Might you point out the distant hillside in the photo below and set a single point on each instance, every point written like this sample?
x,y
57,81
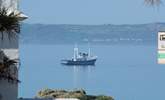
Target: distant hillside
x,y
108,34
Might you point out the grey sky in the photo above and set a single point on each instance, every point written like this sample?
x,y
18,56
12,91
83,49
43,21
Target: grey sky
x,y
91,12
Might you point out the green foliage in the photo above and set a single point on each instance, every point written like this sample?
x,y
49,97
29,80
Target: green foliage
x,y
49,93
79,94
102,97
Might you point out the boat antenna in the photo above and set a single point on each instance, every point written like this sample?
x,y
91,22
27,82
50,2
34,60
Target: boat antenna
x,y
89,50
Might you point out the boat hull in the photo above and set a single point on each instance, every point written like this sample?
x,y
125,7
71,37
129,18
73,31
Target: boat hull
x,y
86,62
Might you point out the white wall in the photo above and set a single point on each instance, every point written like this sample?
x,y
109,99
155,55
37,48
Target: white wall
x,y
10,4
8,91
8,43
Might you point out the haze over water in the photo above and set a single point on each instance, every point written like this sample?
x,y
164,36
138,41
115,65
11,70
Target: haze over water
x,y
125,72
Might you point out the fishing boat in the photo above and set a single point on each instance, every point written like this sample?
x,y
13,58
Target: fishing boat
x,y
80,58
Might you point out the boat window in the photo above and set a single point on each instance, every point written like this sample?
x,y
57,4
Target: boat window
x,y
162,37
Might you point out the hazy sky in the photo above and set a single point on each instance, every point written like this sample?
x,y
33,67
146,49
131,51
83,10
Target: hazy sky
x,y
91,12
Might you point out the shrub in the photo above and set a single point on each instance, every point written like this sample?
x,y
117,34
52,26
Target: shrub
x,y
9,23
102,97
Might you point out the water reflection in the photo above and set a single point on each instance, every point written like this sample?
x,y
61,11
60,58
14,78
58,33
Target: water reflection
x,y
81,75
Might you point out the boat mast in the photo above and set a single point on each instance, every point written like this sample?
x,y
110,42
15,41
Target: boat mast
x,y
89,50
75,53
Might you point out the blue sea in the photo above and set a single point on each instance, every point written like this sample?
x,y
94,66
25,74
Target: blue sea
x,y
125,72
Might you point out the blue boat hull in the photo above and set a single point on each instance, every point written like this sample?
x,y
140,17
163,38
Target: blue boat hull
x,y
86,62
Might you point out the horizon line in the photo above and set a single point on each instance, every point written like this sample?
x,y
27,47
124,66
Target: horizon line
x,y
93,24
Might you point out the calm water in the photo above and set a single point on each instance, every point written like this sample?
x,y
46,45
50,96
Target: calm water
x,y
124,72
